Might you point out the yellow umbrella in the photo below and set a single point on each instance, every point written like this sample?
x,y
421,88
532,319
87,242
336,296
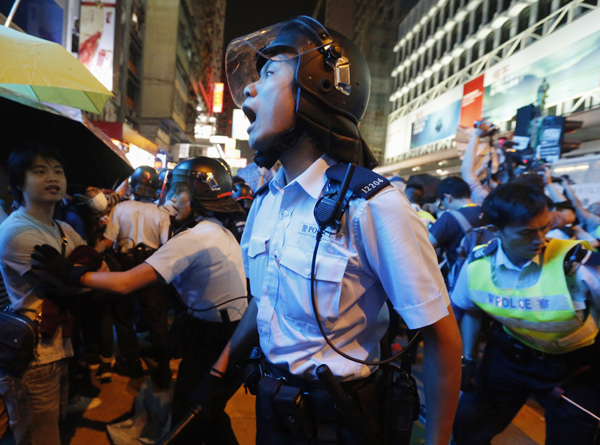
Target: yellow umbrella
x,y
45,71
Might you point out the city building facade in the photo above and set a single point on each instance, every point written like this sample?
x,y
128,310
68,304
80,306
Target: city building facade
x,y
457,61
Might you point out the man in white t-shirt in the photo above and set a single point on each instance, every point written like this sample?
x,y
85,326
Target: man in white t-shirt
x,y
36,397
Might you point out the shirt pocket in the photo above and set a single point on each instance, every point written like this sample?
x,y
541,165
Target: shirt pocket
x,y
329,274
258,248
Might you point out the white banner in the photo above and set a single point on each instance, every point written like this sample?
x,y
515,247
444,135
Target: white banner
x,y
97,39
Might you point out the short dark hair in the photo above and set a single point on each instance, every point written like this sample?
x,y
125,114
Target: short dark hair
x,y
414,192
513,203
531,179
21,159
455,187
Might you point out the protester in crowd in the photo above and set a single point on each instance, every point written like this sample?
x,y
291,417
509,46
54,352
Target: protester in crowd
x,y
36,398
468,167
544,298
415,192
204,262
137,229
461,214
379,248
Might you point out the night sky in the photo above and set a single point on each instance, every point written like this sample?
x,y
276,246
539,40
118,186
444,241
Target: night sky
x,y
244,16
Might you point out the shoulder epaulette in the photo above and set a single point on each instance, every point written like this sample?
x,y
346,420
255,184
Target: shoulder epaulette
x,y
484,250
365,183
262,190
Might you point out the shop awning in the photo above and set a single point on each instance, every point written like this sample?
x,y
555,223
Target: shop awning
x,y
123,132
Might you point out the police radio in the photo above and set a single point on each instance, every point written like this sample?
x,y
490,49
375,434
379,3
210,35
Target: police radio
x,y
328,212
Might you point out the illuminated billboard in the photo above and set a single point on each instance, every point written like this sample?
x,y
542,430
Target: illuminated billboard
x,y
97,39
218,89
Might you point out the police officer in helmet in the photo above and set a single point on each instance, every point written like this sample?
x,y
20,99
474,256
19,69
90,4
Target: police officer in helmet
x,y
304,90
144,183
204,263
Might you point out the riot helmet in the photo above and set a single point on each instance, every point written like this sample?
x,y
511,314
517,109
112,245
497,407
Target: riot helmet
x,y
242,193
332,77
144,182
164,182
210,184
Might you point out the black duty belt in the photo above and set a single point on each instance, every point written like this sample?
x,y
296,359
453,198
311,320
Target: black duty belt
x,y
306,384
513,348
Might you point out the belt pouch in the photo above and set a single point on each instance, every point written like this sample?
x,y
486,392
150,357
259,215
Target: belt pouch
x,y
402,407
267,389
292,407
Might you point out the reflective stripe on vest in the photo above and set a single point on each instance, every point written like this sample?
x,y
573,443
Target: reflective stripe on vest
x,y
541,316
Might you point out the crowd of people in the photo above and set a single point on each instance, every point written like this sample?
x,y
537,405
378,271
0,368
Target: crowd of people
x,y
307,266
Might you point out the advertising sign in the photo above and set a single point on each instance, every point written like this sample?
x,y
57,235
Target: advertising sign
x,y
471,108
435,126
218,89
569,71
97,39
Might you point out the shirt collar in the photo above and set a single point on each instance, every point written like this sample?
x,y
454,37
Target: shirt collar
x,y
503,260
312,180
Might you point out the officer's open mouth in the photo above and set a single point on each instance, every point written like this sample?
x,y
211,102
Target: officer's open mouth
x,y
251,115
53,187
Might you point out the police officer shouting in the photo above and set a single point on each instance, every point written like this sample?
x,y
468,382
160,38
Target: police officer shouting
x,y
204,262
304,90
544,296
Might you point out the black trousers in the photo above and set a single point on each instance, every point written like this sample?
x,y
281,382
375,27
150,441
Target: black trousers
x,y
509,374
204,342
153,302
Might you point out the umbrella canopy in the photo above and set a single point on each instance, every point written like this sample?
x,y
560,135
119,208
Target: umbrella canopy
x,y
90,158
47,72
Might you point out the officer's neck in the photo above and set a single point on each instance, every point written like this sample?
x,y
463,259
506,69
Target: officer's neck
x,y
296,159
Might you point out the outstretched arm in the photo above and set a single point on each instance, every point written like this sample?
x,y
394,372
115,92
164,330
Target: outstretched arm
x,y
442,377
121,282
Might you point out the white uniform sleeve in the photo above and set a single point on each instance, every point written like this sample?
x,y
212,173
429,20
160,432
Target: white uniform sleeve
x,y
460,294
399,253
175,256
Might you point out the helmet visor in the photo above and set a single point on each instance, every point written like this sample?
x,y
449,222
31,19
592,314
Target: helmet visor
x,y
289,39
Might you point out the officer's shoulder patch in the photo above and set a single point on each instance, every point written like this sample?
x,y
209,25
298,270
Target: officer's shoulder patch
x,y
365,183
262,190
484,250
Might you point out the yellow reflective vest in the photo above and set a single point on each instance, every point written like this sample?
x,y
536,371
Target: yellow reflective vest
x,y
541,316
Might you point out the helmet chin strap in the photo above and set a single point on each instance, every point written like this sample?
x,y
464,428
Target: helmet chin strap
x,y
286,140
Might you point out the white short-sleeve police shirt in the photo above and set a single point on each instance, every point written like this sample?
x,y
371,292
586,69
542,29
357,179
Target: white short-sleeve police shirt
x,y
381,250
205,265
